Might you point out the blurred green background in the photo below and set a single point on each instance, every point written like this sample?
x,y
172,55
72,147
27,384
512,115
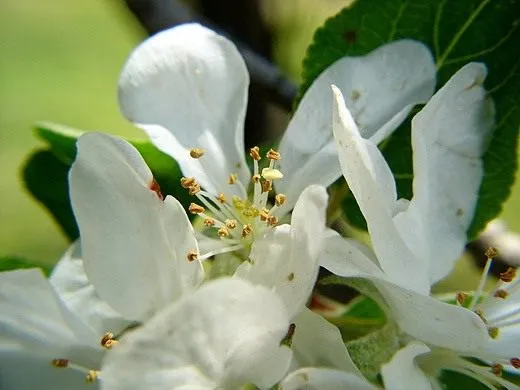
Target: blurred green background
x,y
59,62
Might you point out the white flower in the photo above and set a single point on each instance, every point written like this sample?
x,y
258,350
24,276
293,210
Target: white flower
x,y
416,243
43,345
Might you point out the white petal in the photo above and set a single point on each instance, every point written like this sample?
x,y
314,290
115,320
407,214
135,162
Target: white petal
x,y
286,258
348,257
35,320
22,370
381,88
226,334
449,138
402,372
187,88
129,236
312,378
372,184
72,285
316,342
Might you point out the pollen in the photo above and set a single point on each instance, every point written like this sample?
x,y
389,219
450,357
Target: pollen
x,y
461,297
264,214
230,223
196,153
60,363
192,255
221,198
194,189
497,369
280,199
267,186
271,174
232,178
209,222
247,230
187,182
108,341
509,275
255,153
287,340
223,232
92,376
491,252
272,220
273,155
255,179
515,362
194,208
493,332
154,186
501,294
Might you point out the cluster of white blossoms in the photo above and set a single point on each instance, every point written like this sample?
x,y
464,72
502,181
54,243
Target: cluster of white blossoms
x,y
148,300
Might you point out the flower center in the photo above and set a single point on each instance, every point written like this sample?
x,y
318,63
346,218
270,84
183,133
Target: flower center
x,y
238,221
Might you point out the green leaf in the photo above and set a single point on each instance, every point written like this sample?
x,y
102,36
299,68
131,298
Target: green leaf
x,y
10,263
457,32
45,172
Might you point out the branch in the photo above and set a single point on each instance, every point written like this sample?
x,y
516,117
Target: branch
x,y
157,15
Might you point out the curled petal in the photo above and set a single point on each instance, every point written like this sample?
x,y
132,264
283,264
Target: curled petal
x,y
312,378
402,372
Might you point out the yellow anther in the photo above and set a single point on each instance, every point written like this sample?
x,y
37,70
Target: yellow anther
x,y
221,198
255,178
272,220
501,294
232,179
92,376
247,230
264,214
493,332
209,222
273,155
497,369
491,253
60,363
239,203
192,255
187,182
509,275
194,208
255,153
271,174
196,153
461,297
280,199
230,223
194,189
108,341
223,232
267,185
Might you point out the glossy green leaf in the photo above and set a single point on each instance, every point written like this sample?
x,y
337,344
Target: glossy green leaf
x,y
457,32
10,263
45,172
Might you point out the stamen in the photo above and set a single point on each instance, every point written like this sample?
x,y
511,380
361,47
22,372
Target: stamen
x,y
194,208
273,155
192,255
232,179
267,186
196,153
491,252
264,214
187,182
247,230
497,369
280,199
194,189
209,222
220,251
515,362
154,186
501,294
255,179
92,376
509,275
254,152
493,332
287,340
272,220
60,363
271,174
231,223
461,297
481,284
108,341
221,198
223,232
